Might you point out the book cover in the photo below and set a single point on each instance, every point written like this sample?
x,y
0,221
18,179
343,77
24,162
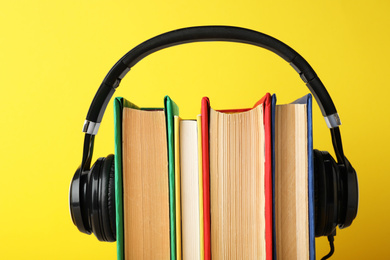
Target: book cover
x,y
273,108
171,110
205,107
178,189
200,183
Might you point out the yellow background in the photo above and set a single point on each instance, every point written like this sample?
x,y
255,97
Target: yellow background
x,y
54,54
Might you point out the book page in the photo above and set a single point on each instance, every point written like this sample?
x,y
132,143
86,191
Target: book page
x,y
291,182
237,197
145,185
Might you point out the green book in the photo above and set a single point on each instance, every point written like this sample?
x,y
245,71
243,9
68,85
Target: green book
x,y
170,109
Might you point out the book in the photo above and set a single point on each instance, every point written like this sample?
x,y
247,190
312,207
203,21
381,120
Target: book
x,y
293,180
200,182
119,104
146,204
204,126
171,110
178,189
236,147
190,190
252,186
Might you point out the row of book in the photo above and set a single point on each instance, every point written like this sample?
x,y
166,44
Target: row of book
x,y
232,184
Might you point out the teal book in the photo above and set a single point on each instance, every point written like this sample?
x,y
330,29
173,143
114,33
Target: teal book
x,y
170,110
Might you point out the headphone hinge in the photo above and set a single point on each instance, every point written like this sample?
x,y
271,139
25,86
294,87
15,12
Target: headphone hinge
x,y
90,127
333,120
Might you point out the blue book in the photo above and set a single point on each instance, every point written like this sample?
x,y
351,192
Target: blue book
x,y
288,123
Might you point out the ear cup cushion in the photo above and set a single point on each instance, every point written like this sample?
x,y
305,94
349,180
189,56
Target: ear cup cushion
x,y
349,189
326,193
332,182
111,198
94,199
78,201
107,201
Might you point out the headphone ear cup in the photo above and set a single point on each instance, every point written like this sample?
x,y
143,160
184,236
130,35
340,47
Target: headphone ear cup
x,y
94,199
325,193
78,206
111,200
108,199
101,199
350,194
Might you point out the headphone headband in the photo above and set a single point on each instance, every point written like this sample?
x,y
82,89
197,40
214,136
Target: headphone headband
x,y
203,34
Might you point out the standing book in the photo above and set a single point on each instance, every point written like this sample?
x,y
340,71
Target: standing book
x,y
178,189
145,181
293,180
237,181
191,189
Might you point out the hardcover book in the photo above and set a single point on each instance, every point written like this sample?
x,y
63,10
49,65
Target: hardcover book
x,y
293,185
237,181
146,219
191,190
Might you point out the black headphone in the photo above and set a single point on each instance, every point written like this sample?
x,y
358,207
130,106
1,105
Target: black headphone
x,y
92,191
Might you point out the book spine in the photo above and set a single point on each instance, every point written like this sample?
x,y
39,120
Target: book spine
x,y
205,108
268,176
200,181
171,110
178,191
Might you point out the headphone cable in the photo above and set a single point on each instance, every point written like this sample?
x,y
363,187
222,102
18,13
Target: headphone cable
x,y
331,240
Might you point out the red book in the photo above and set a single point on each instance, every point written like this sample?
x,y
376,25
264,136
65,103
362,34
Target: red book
x,y
267,189
205,108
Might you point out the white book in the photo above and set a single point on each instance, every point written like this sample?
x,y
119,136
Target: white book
x,y
190,207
